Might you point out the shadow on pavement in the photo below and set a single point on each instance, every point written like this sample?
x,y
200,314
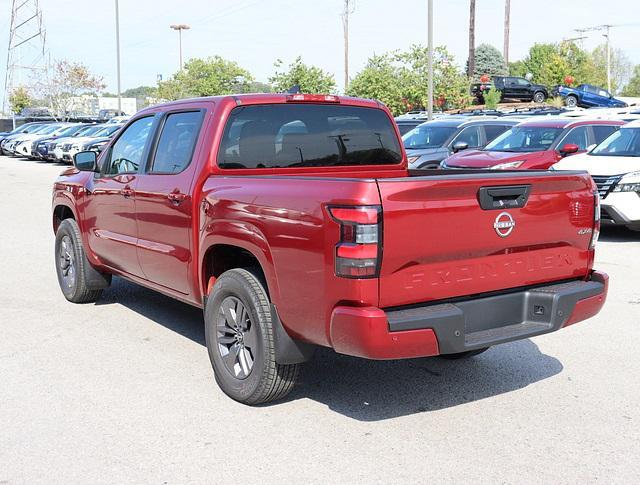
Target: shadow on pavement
x,y
370,390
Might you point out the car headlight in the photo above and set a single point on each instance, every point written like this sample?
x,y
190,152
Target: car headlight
x,y
629,183
507,165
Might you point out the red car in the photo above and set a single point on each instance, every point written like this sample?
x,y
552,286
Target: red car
x,y
293,222
535,144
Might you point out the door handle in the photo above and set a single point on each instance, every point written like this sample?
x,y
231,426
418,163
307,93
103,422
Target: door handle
x,y
176,197
127,192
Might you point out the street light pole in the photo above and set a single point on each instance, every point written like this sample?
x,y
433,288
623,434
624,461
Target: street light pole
x,y
430,61
118,56
180,28
608,59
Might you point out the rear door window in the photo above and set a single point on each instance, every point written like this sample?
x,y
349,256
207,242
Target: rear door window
x,y
177,142
307,135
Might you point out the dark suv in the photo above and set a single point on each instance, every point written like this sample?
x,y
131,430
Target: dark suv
x,y
512,88
431,142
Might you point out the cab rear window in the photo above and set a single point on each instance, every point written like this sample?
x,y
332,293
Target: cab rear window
x,y
307,135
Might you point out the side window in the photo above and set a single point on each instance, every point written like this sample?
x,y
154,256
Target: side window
x,y
177,142
470,136
126,154
492,131
600,132
578,136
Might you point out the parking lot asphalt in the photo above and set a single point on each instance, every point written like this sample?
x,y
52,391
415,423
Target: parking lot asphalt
x,y
122,391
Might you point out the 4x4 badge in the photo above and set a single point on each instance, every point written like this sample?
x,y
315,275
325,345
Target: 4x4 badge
x,y
504,224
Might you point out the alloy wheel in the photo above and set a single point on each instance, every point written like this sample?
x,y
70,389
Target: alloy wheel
x,y
237,337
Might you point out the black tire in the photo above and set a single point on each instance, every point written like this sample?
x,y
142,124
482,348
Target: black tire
x,y
242,349
464,355
72,264
539,97
571,101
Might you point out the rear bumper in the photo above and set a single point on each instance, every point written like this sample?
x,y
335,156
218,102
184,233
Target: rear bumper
x,y
448,328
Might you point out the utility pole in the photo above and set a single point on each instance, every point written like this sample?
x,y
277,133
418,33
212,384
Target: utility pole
x,y
349,8
180,28
430,61
507,21
118,57
608,27
471,63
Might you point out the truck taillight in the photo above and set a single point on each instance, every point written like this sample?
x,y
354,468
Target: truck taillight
x,y
359,248
596,220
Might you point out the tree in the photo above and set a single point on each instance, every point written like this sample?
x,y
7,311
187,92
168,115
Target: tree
x,y
549,64
68,81
311,79
381,79
19,99
633,87
399,79
206,77
489,60
140,92
620,67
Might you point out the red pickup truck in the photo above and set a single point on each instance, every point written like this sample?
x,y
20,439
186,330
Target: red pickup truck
x,y
293,221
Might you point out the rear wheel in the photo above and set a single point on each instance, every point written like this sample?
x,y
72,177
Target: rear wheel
x,y
539,97
240,339
464,355
571,101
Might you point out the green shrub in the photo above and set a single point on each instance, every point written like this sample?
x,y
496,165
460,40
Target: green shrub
x,y
492,97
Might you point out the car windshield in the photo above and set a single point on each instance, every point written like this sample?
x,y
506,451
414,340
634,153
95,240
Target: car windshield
x,y
525,139
427,136
49,129
90,130
107,131
307,135
41,129
623,143
68,131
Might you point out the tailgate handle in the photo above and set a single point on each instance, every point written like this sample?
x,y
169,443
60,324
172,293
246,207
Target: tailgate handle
x,y
504,197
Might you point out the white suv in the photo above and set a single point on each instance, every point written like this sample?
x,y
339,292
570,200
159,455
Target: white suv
x,y
615,167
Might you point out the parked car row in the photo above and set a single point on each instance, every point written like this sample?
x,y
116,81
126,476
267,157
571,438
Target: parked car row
x,y
604,142
54,141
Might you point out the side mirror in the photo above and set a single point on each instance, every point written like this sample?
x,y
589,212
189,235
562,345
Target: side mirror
x,y
568,149
86,161
459,146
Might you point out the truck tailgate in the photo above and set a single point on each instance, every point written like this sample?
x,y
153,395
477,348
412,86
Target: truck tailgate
x,y
439,243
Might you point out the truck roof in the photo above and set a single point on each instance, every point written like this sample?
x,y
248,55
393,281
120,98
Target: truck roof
x,y
273,98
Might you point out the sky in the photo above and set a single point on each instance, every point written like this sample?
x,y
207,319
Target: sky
x,y
255,33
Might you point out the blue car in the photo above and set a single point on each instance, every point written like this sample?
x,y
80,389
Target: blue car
x,y
587,96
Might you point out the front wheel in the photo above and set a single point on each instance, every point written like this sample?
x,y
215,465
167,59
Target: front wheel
x,y
539,97
72,265
240,339
571,101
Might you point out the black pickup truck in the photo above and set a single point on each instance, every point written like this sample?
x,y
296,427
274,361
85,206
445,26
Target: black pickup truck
x,y
512,88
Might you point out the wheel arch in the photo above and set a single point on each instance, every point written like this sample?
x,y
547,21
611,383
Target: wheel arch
x,y
62,211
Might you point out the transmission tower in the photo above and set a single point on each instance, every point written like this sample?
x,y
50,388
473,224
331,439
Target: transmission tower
x,y
26,54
